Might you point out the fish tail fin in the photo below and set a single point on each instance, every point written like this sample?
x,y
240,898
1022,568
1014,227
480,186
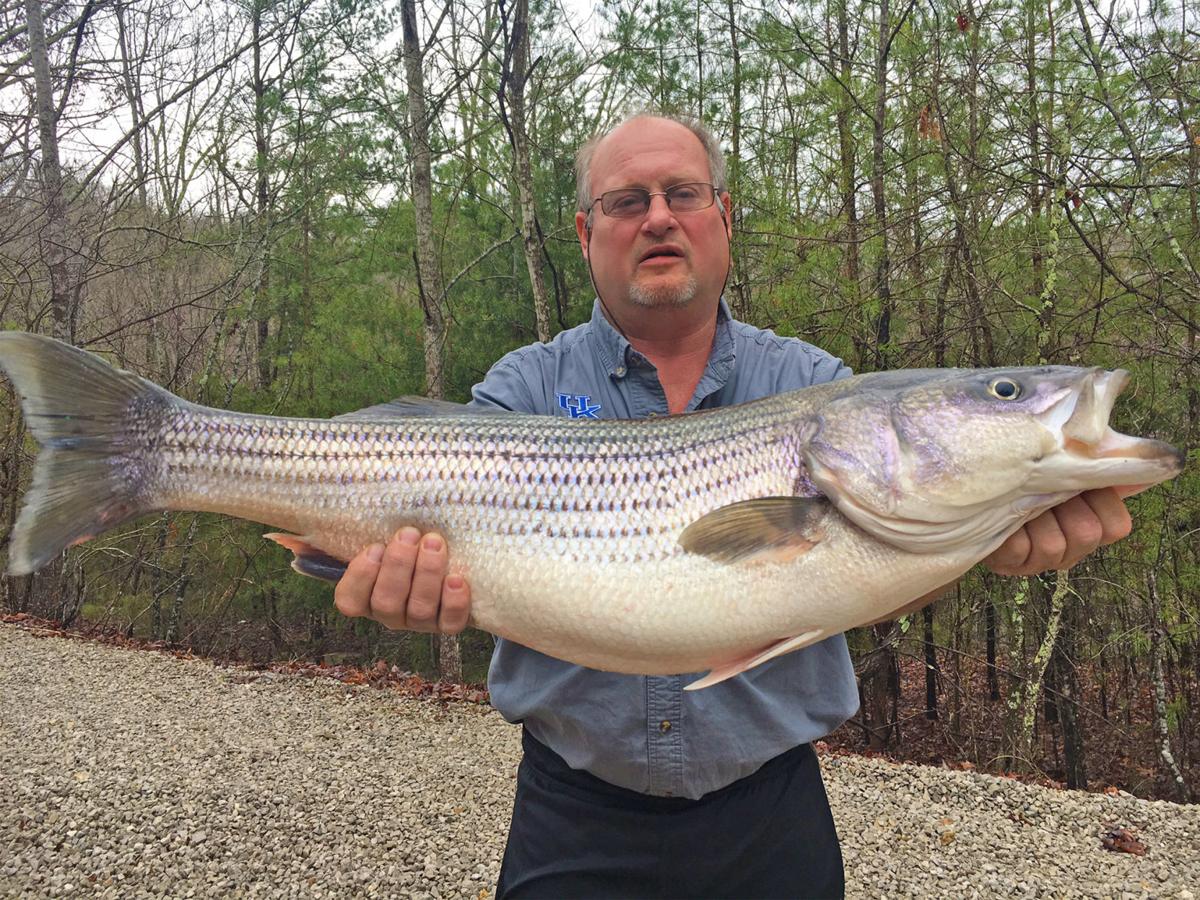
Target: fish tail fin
x,y
83,413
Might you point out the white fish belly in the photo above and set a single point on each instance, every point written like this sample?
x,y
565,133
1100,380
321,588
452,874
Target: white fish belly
x,y
688,613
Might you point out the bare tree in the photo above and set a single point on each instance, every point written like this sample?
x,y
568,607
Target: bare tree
x,y
429,278
60,243
513,83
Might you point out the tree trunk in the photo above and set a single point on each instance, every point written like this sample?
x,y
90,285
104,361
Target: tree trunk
x,y
847,167
16,590
428,275
879,685
262,199
270,596
1066,698
429,281
1033,126
741,293
883,263
171,635
993,681
965,201
518,53
1023,755
61,247
157,621
1161,725
881,688
133,98
957,643
931,665
72,591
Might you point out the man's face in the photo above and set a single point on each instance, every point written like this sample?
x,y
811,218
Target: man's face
x,y
663,258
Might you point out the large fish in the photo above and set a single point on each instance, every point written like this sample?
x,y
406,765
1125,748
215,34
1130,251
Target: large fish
x,y
712,541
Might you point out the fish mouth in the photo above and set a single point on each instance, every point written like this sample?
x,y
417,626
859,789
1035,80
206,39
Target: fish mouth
x,y
1093,454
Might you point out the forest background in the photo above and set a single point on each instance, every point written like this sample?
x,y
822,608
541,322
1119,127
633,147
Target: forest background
x,y
304,207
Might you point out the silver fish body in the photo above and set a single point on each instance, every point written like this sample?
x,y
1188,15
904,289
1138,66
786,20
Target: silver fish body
x,y
710,541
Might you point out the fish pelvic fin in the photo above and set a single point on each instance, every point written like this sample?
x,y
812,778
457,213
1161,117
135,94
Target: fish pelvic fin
x,y
81,411
773,529
310,560
738,666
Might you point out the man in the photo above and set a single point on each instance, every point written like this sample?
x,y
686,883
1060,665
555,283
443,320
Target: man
x,y
629,786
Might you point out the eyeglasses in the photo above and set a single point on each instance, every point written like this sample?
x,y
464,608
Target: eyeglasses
x,y
629,203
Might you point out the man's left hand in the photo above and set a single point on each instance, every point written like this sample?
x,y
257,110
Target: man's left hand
x,y
1062,536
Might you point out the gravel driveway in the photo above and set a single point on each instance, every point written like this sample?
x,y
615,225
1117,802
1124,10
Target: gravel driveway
x,y
132,774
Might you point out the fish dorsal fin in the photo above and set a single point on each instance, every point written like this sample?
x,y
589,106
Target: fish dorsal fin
x,y
737,667
769,528
408,407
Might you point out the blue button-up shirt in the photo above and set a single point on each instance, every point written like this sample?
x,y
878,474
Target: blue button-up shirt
x,y
645,733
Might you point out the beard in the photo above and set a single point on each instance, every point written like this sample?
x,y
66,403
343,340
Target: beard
x,y
663,294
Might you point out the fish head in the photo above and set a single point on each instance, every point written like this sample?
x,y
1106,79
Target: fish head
x,y
933,460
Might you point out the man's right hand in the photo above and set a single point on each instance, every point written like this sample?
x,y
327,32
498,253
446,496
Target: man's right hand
x,y
404,585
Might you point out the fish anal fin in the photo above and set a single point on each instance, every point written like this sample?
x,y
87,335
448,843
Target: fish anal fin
x,y
308,559
738,666
775,529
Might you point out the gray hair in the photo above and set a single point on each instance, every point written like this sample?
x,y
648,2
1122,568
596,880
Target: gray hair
x,y
583,158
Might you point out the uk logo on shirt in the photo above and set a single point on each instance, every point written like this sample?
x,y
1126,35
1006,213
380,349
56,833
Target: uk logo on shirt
x,y
580,406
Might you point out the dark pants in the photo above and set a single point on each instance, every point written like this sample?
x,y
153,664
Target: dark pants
x,y
769,835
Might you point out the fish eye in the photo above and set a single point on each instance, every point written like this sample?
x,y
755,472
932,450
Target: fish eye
x,y
1004,389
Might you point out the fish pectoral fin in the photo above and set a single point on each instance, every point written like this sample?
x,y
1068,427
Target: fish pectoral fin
x,y
775,529
787,645
310,560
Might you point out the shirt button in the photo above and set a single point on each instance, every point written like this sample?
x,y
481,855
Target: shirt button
x,y
619,371
664,726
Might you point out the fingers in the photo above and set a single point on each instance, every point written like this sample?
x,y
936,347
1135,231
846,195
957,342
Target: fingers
x,y
1060,537
352,594
390,600
1049,542
1081,526
427,577
1009,557
456,605
404,585
1037,547
1109,507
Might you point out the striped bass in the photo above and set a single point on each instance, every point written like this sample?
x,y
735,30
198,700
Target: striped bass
x,y
707,542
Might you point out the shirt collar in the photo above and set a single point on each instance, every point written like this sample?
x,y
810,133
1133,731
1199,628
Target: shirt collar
x,y
615,350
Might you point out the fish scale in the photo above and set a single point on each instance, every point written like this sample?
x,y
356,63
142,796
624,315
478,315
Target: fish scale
x,y
713,541
626,492
610,481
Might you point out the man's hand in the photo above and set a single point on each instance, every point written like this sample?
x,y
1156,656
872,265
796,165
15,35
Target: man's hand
x,y
1062,536
404,585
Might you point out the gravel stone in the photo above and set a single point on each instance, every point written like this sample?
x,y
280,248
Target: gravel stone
x,y
128,774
